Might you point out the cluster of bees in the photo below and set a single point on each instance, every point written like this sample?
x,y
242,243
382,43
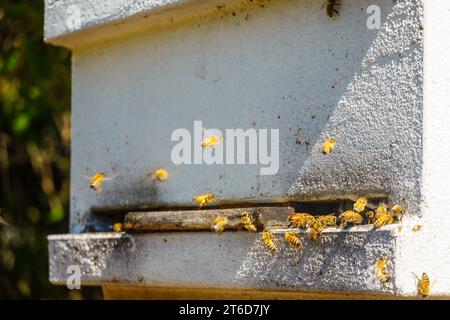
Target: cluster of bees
x,y
314,225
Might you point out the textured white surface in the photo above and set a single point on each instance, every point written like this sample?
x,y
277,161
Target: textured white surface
x,y
429,251
342,261
305,74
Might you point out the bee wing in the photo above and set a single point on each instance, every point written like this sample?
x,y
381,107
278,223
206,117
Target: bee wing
x,y
87,177
323,4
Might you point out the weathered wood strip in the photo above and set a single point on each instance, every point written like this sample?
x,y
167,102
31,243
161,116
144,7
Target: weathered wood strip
x,y
203,219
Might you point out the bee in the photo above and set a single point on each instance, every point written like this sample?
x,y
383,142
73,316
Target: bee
x,y
293,239
247,222
360,205
219,224
316,231
370,216
328,146
383,220
212,141
268,238
417,228
349,216
161,174
381,270
118,227
96,181
423,285
301,220
397,212
328,220
204,199
381,210
331,10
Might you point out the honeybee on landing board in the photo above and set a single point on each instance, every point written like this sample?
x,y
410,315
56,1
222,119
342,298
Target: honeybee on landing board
x,y
268,238
328,220
301,220
360,205
397,212
349,216
219,224
247,222
383,220
381,270
423,285
330,7
204,199
96,181
316,231
293,239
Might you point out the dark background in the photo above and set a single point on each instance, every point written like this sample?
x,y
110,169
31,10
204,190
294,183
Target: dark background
x,y
34,152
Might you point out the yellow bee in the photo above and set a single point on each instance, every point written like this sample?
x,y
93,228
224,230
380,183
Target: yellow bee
x,y
381,270
417,228
247,222
161,174
301,220
316,231
328,220
423,285
350,216
330,9
212,141
268,239
360,205
293,239
204,199
383,220
328,146
118,227
381,210
397,212
96,181
219,224
370,216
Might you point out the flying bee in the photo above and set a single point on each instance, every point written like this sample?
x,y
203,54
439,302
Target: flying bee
x,y
268,238
349,216
219,224
397,212
212,141
293,239
423,285
360,205
204,199
316,231
328,145
301,220
383,220
417,228
247,222
330,9
96,181
381,270
328,220
161,174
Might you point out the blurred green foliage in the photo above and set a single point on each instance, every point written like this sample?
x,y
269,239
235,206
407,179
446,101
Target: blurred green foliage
x,y
34,150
